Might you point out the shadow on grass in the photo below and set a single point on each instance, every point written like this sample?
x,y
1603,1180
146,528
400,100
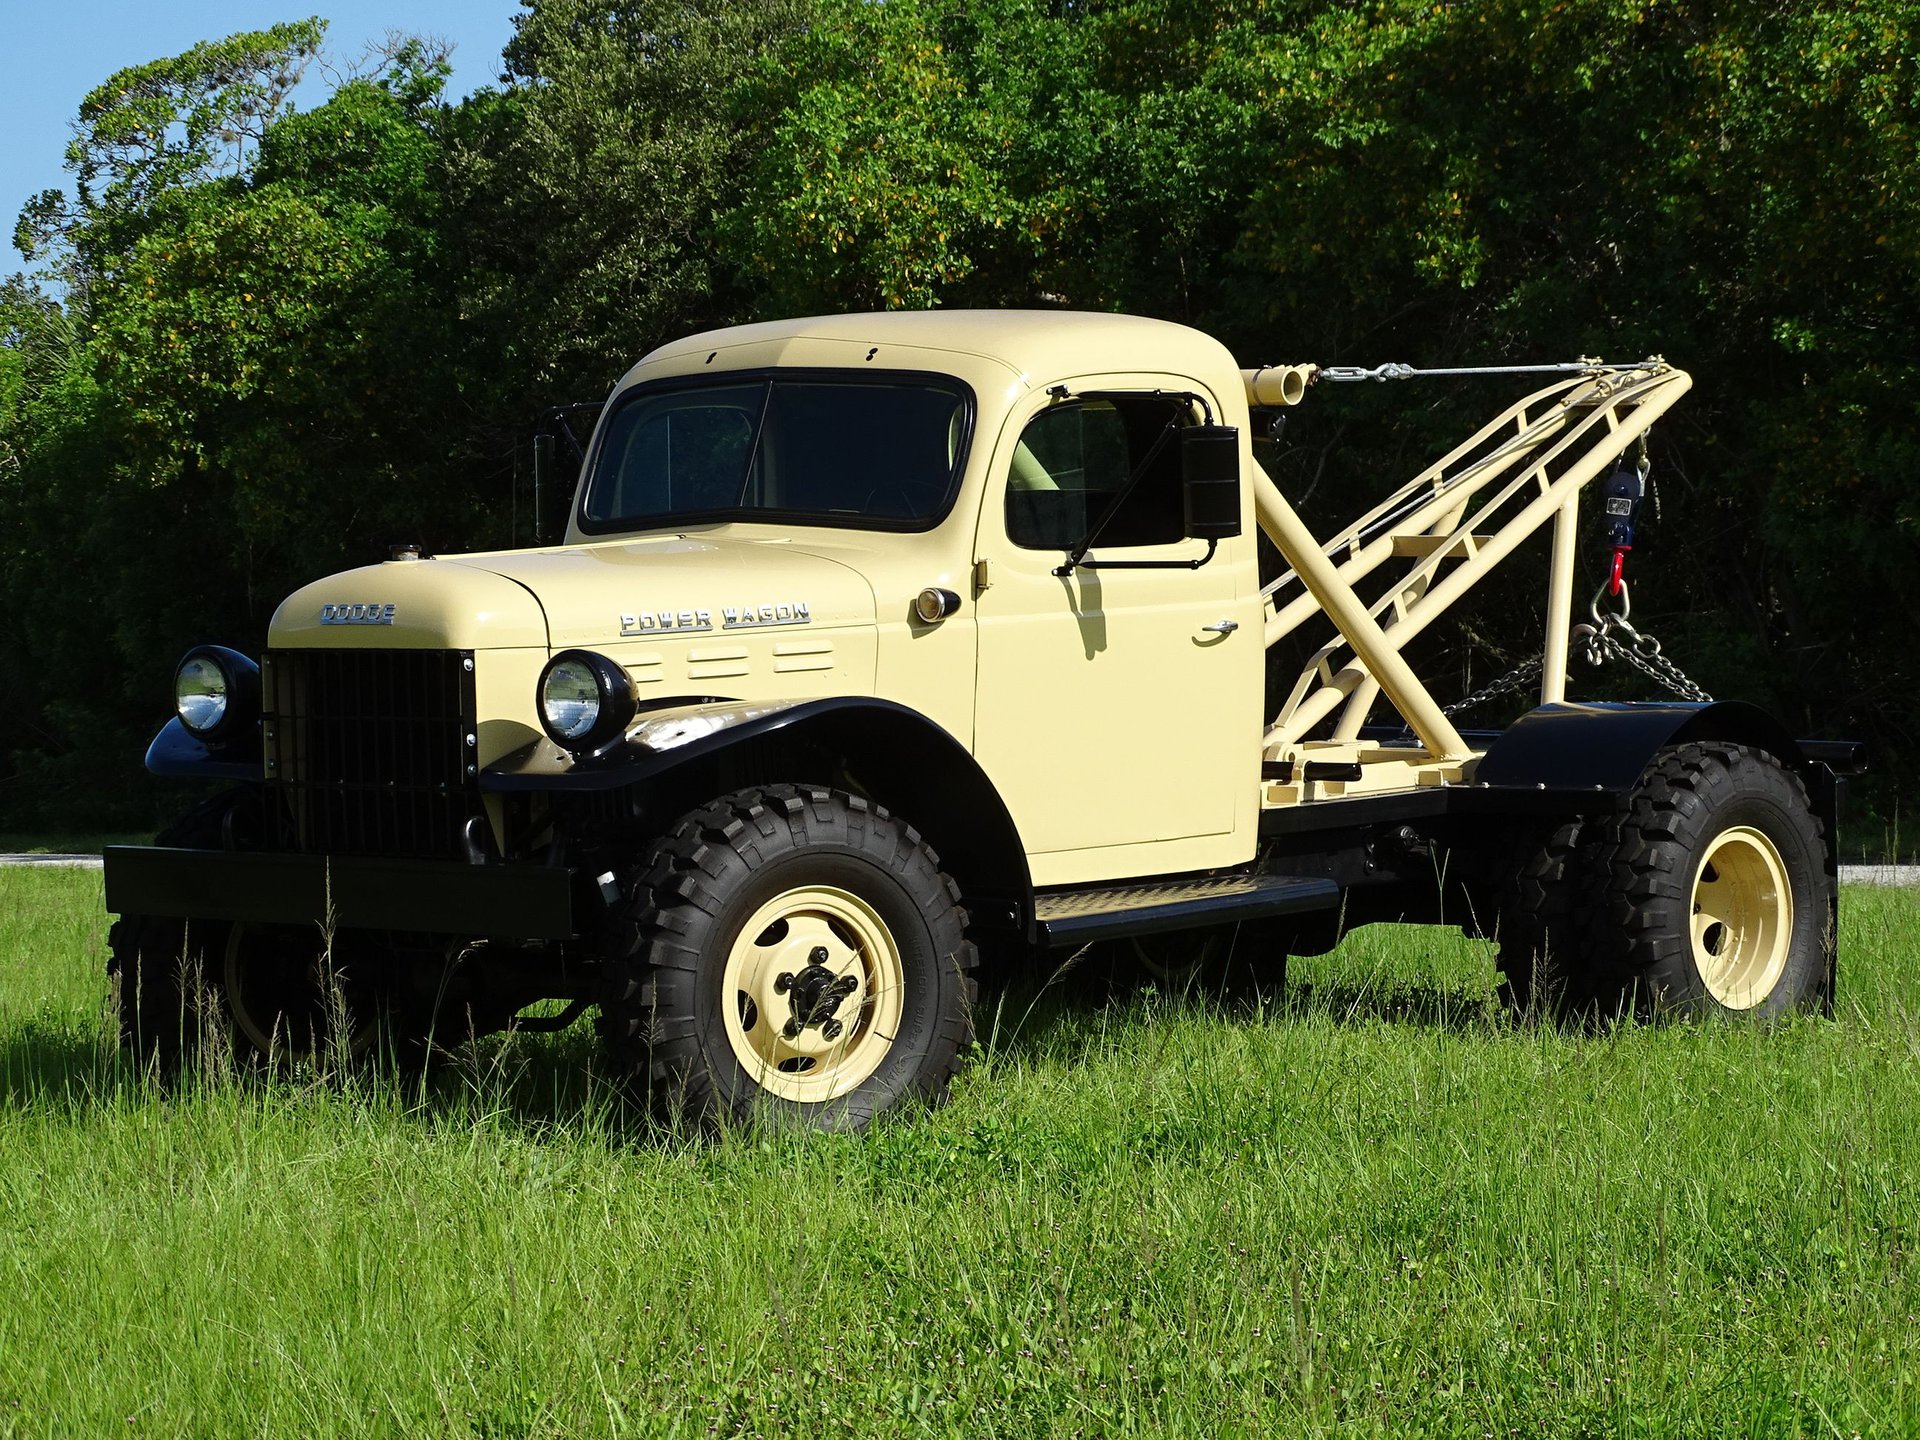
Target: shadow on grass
x,y
1065,1014
550,1087
53,1067
544,1086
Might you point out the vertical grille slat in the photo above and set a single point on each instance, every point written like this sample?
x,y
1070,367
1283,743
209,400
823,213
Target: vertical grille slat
x,y
370,750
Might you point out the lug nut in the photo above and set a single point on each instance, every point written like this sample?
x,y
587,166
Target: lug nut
x,y
783,982
819,955
791,1029
831,1029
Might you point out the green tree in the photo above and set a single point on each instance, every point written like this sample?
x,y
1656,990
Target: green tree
x,y
586,193
248,384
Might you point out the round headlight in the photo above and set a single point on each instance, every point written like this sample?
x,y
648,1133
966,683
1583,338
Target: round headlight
x,y
585,700
201,691
569,701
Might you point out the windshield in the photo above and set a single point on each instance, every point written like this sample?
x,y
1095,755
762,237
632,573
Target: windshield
x,y
881,452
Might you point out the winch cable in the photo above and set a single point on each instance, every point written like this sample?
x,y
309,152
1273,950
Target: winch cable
x,y
1394,370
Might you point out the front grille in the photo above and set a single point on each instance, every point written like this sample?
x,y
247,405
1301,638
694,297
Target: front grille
x,y
370,749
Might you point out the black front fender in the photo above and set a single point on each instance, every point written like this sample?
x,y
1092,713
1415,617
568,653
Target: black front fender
x,y
177,753
897,756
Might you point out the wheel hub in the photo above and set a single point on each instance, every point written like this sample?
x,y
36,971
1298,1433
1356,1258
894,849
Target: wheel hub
x,y
813,995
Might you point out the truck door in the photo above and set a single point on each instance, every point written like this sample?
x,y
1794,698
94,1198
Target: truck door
x,y
1118,706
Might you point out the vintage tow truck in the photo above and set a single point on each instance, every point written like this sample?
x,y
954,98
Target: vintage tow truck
x,y
875,641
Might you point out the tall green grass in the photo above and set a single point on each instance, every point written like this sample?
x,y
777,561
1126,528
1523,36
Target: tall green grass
x,y
1367,1205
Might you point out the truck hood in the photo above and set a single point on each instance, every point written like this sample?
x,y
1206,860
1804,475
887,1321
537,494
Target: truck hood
x,y
410,604
668,586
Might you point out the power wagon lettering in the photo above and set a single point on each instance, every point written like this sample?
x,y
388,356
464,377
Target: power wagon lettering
x,y
744,617
656,622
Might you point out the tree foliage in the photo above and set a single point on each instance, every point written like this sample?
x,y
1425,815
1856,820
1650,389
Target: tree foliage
x,y
267,342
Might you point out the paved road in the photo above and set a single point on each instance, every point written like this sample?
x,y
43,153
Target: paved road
x,y
1850,874
1880,874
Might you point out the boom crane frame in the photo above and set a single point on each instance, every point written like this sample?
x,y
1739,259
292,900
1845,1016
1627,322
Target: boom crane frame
x,y
1454,521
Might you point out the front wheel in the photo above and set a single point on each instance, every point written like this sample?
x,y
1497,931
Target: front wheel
x,y
1713,897
790,953
298,997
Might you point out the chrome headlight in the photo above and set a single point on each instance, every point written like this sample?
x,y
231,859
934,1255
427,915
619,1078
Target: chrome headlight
x,y
202,690
216,693
585,700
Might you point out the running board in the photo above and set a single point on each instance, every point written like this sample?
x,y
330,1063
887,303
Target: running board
x,y
1077,917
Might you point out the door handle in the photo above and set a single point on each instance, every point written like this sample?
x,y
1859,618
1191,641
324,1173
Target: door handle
x,y
1225,627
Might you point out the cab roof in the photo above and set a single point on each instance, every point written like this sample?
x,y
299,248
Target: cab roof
x,y
1039,344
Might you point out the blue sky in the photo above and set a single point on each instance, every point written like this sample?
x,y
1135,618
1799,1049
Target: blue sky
x,y
52,52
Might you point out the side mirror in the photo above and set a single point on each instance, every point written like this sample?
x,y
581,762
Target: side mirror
x,y
1210,477
542,484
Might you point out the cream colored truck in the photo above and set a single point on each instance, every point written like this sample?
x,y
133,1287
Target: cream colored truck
x,y
877,641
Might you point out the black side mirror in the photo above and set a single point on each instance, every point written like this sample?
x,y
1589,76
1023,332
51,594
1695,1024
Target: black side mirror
x,y
1210,476
542,484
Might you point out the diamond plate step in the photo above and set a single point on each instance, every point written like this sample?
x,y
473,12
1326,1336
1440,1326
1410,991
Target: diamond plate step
x,y
1075,917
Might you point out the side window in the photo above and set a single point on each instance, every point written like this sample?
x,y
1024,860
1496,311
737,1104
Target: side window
x,y
1073,462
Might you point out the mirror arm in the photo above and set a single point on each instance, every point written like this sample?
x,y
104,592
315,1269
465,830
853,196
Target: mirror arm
x,y
1212,545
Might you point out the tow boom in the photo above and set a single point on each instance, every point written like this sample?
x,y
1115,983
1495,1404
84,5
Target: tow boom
x,y
1453,523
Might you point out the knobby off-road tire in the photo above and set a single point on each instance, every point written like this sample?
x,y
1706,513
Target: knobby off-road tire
x,y
790,954
1710,895
1543,971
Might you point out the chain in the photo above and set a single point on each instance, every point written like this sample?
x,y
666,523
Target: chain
x,y
1607,637
1521,677
1641,651
1613,637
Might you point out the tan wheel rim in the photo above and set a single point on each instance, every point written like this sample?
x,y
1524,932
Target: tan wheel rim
x,y
812,993
1742,918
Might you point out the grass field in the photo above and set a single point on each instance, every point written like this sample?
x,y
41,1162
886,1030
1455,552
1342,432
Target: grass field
x,y
1371,1206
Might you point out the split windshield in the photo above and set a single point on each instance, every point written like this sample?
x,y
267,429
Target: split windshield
x,y
879,452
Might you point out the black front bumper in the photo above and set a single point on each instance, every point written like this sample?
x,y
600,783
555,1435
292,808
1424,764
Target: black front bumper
x,y
521,902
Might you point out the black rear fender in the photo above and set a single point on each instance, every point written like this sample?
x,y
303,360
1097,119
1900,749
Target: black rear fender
x,y
1585,755
1606,747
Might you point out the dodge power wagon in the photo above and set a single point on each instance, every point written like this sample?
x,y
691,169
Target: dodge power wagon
x,y
877,643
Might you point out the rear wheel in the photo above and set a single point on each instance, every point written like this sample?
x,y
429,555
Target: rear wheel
x,y
790,953
1712,897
